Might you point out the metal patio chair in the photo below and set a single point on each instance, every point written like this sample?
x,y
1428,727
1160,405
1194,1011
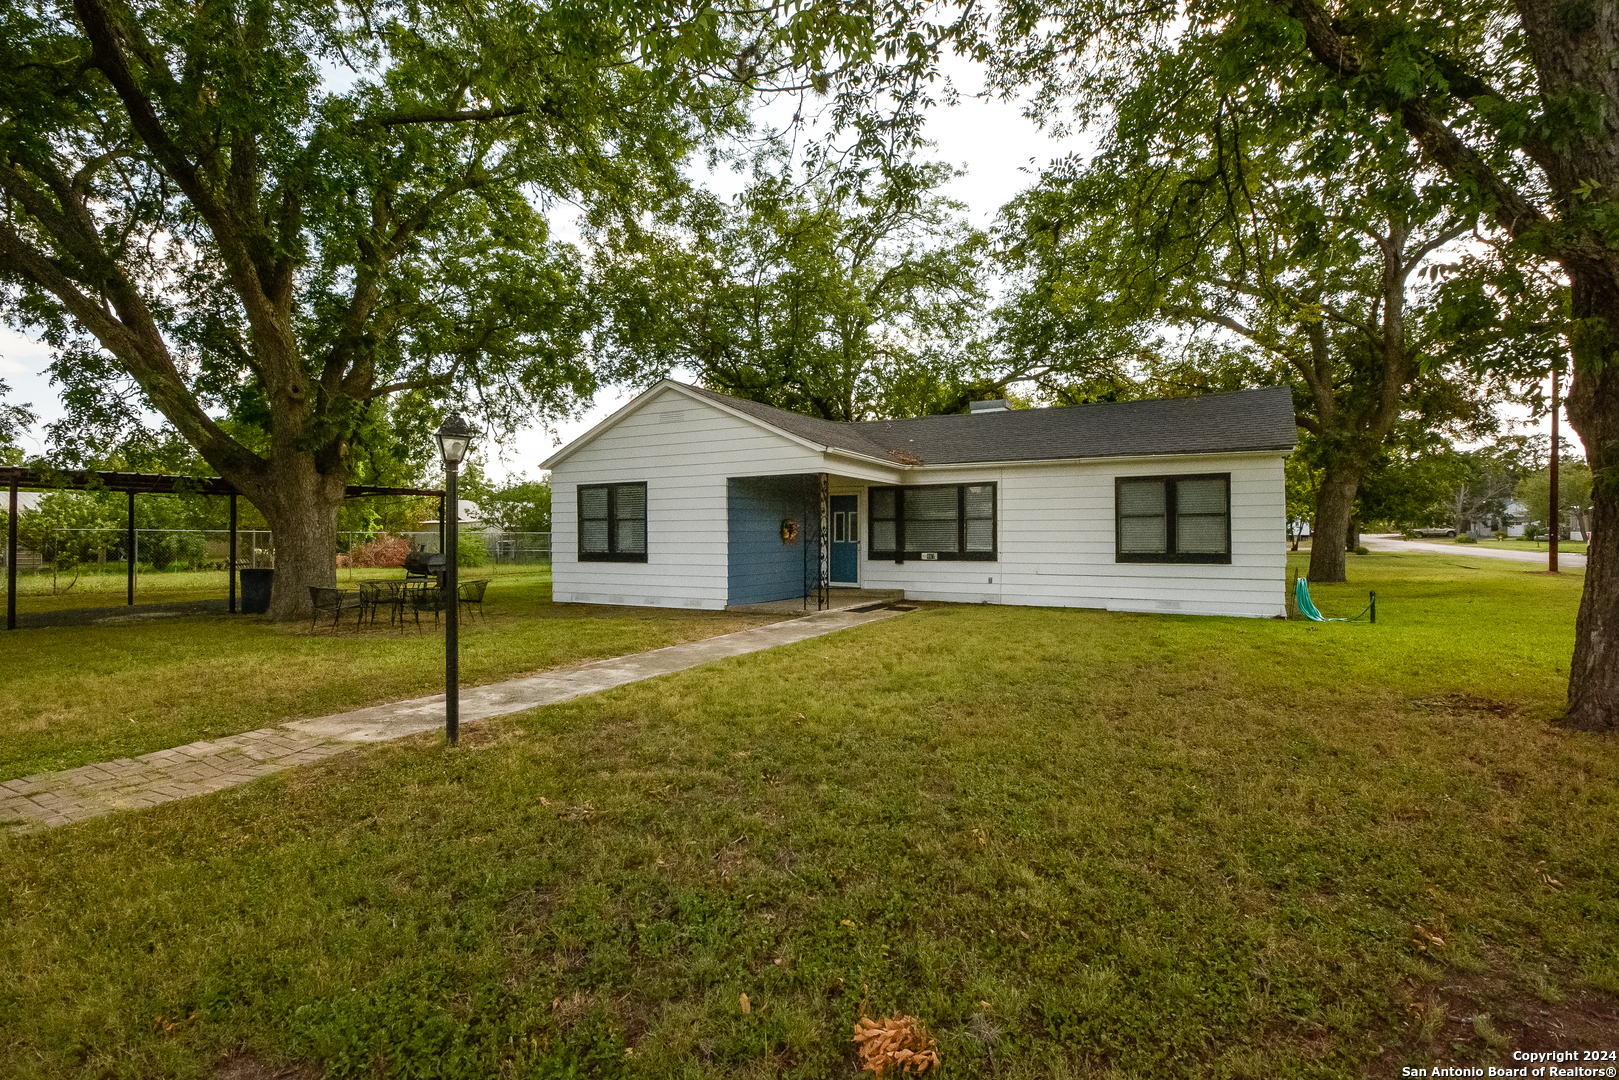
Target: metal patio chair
x,y
471,595
424,596
333,602
375,595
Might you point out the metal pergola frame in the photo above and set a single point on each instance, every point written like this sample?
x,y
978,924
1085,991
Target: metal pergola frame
x,y
21,479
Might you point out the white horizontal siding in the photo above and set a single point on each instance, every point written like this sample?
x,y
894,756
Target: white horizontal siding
x,y
684,450
1055,522
1056,538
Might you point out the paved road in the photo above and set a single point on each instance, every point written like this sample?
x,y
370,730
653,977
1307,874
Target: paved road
x,y
1565,560
182,772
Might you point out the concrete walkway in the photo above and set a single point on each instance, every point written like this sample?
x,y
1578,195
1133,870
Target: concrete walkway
x,y
1565,560
59,798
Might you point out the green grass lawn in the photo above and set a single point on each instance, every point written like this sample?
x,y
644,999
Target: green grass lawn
x,y
108,587
1073,843
73,695
1574,547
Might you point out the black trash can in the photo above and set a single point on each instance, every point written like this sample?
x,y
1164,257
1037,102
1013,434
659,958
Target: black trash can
x,y
256,590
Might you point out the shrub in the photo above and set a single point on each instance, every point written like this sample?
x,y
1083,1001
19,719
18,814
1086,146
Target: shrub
x,y
469,550
385,552
1466,538
171,550
1362,550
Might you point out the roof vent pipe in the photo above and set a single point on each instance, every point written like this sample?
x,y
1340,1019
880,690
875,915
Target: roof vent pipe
x,y
988,406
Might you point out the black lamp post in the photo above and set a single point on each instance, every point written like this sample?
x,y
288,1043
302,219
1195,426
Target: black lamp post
x,y
454,438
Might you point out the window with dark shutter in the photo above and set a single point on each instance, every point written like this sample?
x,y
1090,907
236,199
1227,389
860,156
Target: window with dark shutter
x,y
612,522
1173,519
948,522
883,510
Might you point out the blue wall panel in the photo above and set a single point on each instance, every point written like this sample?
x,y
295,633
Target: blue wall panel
x,y
762,568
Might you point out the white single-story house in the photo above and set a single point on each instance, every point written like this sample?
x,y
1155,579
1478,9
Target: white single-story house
x,y
688,498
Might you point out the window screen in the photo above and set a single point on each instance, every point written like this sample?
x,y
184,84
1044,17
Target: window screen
x,y
1173,519
932,520
612,522
948,521
884,510
978,527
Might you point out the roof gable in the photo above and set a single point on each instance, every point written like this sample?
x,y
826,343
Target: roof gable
x,y
801,430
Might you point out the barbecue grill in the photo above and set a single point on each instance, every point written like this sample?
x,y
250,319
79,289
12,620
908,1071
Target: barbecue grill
x,y
425,564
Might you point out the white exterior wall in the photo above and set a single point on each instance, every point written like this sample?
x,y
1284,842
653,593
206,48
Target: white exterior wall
x,y
1055,538
684,450
1055,523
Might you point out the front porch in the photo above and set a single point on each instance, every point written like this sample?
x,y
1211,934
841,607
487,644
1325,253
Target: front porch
x,y
793,544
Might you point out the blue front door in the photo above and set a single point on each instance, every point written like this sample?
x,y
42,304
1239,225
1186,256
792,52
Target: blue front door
x,y
845,540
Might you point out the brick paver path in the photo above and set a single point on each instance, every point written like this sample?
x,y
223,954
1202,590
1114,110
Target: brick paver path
x,y
194,769
59,798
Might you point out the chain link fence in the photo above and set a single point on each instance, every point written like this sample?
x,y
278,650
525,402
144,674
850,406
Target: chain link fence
x,y
186,550
97,561
492,547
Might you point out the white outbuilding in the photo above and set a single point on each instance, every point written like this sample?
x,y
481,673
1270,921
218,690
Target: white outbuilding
x,y
688,498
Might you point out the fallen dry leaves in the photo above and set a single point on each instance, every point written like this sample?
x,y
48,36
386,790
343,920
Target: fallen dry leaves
x,y
899,1041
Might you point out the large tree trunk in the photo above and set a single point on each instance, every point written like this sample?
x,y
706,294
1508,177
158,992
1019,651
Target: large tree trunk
x,y
1593,411
1572,60
300,503
1593,673
1334,503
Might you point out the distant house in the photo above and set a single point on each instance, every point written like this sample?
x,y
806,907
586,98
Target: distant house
x,y
1512,522
688,498
469,515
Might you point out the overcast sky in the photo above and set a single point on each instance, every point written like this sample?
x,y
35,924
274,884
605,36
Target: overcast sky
x,y
997,147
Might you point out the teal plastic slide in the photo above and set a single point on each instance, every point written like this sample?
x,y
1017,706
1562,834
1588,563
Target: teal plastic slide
x,y
1307,608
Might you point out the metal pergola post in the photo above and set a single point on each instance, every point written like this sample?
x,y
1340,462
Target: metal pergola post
x,y
230,560
11,563
17,479
129,547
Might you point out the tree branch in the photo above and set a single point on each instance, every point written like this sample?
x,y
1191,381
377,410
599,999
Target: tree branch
x,y
139,348
273,336
1437,242
442,116
1512,211
1186,311
408,384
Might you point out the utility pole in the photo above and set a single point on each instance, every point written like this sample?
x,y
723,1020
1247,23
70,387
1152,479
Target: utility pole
x,y
1556,522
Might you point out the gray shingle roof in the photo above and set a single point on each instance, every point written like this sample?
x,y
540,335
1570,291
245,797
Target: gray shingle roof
x,y
1209,424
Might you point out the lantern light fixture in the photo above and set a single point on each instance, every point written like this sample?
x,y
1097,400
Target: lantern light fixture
x,y
454,438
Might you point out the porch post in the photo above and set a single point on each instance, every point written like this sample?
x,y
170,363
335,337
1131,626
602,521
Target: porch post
x,y
823,599
11,563
129,546
803,551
